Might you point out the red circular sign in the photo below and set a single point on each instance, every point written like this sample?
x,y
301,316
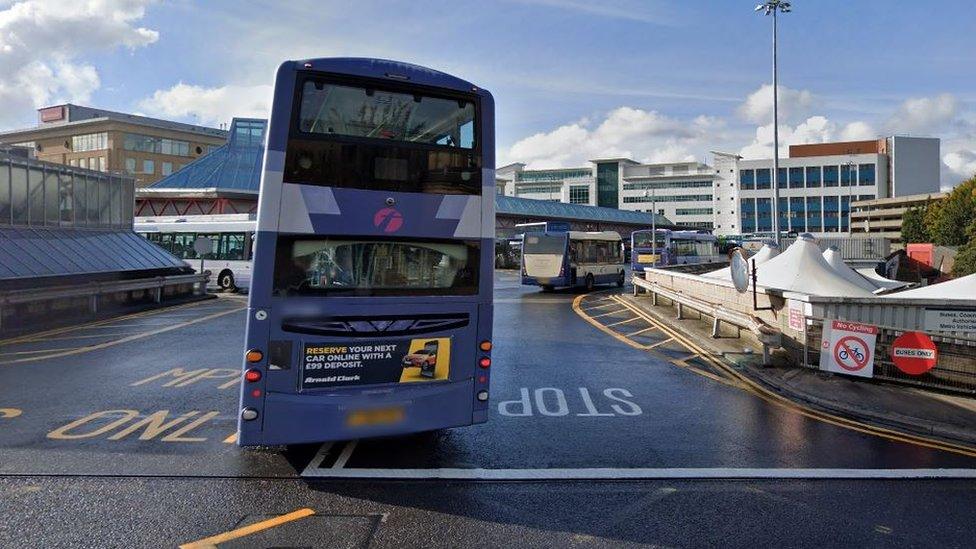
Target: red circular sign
x,y
388,219
914,353
851,353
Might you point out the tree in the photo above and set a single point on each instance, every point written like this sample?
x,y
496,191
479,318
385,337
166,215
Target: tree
x,y
948,226
966,258
913,228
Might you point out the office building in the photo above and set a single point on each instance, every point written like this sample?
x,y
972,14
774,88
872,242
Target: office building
x,y
680,191
882,217
146,148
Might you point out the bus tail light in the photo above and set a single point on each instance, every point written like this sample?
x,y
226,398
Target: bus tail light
x,y
252,375
482,396
256,393
484,362
485,346
254,355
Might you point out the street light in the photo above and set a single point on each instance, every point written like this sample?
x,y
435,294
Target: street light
x,y
653,194
770,7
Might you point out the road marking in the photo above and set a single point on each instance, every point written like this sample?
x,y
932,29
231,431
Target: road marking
x,y
629,320
231,439
212,541
749,385
127,339
318,458
608,473
10,412
638,332
611,304
37,351
89,336
610,313
659,343
30,337
345,455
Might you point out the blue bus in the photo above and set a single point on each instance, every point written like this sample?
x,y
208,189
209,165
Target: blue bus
x,y
572,258
370,306
672,248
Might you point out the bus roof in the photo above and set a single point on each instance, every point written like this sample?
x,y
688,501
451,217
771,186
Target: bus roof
x,y
385,69
194,226
598,235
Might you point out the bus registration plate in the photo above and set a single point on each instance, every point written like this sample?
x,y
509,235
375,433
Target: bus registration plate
x,y
375,416
647,258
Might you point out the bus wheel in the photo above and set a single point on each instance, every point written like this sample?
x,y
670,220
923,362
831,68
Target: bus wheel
x,y
620,280
589,283
226,281
547,288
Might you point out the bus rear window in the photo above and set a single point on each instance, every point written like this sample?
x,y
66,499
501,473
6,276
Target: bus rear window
x,y
366,267
544,244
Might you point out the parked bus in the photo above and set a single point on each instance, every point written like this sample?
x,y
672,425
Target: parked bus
x,y
572,258
231,237
672,248
371,302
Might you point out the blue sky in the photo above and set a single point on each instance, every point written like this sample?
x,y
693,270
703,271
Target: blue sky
x,y
572,79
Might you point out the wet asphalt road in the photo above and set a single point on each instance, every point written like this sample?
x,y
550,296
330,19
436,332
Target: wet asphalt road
x,y
156,397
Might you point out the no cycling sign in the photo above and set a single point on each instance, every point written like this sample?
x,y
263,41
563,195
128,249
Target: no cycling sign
x,y
848,348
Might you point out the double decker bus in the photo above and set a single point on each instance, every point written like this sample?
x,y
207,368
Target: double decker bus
x,y
370,305
667,247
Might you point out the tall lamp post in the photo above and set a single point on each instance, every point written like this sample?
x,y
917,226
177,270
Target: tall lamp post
x,y
770,7
654,251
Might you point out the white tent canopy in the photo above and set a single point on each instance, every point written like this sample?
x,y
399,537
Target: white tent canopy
x,y
880,281
836,262
959,289
767,252
802,268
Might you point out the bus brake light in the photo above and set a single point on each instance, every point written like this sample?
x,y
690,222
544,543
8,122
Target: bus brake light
x,y
484,362
252,375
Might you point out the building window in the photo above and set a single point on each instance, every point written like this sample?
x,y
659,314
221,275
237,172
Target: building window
x,y
130,165
693,211
866,174
747,179
157,145
814,214
148,166
848,175
608,185
579,194
830,176
764,214
102,164
167,168
763,178
666,198
831,215
83,162
796,178
781,178
798,216
643,186
89,142
813,177
537,189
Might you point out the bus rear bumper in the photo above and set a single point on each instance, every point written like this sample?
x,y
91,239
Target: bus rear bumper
x,y
346,415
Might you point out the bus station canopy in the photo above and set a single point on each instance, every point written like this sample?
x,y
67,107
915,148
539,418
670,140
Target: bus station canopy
x,y
833,257
963,288
767,252
802,268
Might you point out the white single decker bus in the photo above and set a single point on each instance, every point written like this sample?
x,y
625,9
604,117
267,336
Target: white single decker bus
x,y
231,238
572,258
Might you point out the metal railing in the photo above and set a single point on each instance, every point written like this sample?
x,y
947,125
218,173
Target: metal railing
x,y
768,336
94,290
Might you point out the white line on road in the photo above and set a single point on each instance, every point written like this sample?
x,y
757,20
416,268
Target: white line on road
x,y
344,456
641,474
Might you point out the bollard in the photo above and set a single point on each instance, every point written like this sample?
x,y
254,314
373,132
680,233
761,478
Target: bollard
x,y
680,311
715,327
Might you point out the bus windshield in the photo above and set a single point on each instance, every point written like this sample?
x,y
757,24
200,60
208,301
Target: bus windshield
x,y
363,112
643,240
544,244
363,267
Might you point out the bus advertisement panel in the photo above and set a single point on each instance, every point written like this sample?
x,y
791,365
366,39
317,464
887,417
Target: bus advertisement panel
x,y
371,299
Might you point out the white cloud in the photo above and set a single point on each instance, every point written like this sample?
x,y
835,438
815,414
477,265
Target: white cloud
x,y
209,105
962,164
923,114
639,134
816,129
858,131
794,105
41,41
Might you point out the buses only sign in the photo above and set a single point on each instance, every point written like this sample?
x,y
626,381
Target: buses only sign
x,y
848,348
914,353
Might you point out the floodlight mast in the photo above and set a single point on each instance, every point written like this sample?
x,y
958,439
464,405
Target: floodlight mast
x,y
770,7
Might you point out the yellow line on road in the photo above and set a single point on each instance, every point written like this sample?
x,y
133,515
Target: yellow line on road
x,y
600,306
610,313
601,327
231,439
628,321
31,337
124,339
753,387
88,336
10,412
659,343
212,541
641,331
39,351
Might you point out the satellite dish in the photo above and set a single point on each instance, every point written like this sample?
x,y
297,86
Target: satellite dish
x,y
740,271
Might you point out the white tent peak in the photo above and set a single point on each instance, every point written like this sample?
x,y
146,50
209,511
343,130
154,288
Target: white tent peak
x,y
769,250
836,262
802,268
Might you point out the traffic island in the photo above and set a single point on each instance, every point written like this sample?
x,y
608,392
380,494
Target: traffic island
x,y
908,409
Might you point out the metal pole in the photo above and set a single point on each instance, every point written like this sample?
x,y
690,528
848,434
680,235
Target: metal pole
x,y
654,252
775,139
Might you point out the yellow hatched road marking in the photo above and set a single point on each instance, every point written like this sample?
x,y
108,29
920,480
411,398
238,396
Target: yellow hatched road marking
x,y
601,306
641,331
212,541
35,352
610,313
629,320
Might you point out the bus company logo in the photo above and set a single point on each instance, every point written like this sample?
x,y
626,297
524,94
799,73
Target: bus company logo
x,y
388,219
